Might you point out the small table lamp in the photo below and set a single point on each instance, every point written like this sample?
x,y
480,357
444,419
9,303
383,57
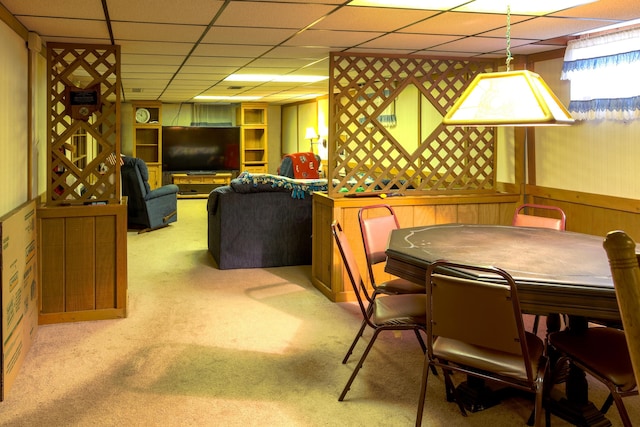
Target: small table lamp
x,y
311,134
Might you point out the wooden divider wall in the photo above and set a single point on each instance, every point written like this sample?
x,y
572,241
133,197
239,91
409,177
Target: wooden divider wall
x,y
447,175
84,263
82,227
328,274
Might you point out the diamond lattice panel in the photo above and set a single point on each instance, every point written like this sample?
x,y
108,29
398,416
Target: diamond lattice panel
x,y
370,139
83,146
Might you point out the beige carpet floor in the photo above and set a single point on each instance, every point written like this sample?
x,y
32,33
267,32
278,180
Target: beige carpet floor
x,y
206,347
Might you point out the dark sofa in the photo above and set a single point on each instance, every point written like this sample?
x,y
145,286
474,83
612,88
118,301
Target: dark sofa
x,y
261,221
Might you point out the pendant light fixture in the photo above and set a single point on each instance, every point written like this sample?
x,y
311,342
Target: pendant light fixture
x,y
511,98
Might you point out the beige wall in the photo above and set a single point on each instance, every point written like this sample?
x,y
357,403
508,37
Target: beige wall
x,y
40,153
274,137
14,113
290,128
296,118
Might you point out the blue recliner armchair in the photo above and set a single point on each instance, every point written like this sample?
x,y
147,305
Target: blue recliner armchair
x,y
147,209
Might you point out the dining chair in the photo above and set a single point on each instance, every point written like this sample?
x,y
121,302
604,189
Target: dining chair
x,y
475,327
556,221
610,355
523,218
603,353
625,271
387,313
375,232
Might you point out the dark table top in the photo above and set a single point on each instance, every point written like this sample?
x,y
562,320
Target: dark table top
x,y
555,271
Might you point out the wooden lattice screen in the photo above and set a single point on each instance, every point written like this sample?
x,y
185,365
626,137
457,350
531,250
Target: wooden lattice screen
x,y
366,153
84,124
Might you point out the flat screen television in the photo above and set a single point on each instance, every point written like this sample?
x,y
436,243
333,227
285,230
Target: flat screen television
x,y
199,148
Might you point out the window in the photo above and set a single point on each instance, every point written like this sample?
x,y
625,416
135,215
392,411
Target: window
x,y
604,72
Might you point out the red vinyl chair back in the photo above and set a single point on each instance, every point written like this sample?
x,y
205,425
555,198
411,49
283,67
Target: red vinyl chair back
x,y
556,222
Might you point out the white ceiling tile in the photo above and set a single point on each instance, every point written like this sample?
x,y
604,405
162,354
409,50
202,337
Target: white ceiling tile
x,y
144,82
151,69
480,45
142,59
238,51
306,53
464,24
252,14
332,38
195,77
157,32
375,19
201,69
62,9
287,63
157,48
59,27
622,10
238,35
381,51
217,61
408,41
198,12
76,40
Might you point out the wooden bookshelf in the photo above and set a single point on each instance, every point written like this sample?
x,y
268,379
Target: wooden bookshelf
x,y
147,138
252,119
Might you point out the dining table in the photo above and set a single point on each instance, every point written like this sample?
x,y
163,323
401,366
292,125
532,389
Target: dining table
x,y
556,272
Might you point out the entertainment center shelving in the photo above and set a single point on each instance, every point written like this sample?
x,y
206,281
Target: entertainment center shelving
x,y
147,138
252,119
147,145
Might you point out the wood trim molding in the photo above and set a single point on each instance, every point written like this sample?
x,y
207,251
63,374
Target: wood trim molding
x,y
587,199
13,23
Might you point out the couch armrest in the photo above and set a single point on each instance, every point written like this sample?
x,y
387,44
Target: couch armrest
x,y
162,191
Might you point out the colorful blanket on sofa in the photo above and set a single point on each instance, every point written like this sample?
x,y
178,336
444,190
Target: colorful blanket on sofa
x,y
298,187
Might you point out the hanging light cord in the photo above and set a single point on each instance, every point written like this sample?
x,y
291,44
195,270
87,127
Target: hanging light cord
x,y
509,57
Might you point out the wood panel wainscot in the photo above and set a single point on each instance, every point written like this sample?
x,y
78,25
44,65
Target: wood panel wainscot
x,y
588,213
83,266
328,273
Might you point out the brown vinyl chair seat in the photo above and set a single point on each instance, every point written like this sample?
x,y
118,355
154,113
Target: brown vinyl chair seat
x,y
486,359
602,350
410,309
400,286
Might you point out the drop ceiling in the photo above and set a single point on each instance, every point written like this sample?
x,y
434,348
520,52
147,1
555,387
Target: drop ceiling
x,y
172,51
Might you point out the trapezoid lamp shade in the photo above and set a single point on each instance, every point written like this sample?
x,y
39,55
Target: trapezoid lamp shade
x,y
510,98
